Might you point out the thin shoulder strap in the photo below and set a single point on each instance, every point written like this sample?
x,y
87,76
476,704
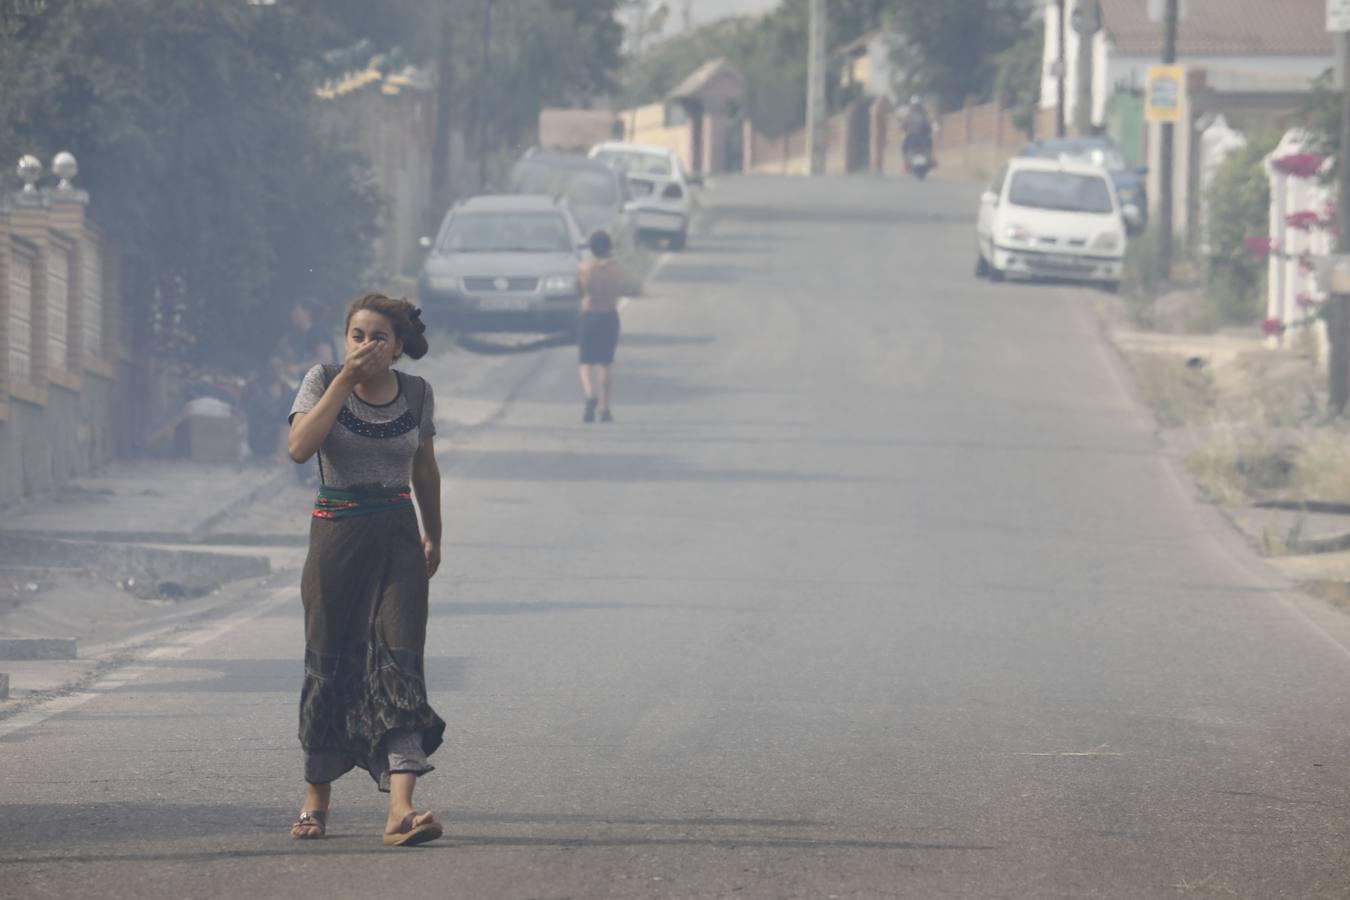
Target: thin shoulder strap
x,y
417,394
329,373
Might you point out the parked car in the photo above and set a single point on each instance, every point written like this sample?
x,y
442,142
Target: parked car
x,y
597,194
504,263
662,189
1043,217
1101,151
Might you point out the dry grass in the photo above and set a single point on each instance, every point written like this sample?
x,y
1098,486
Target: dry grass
x,y
1179,394
1251,425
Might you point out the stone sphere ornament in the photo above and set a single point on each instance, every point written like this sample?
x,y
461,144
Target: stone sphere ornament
x,y
65,167
30,170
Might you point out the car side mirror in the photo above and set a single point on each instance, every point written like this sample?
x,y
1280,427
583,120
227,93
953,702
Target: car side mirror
x,y
1133,216
424,242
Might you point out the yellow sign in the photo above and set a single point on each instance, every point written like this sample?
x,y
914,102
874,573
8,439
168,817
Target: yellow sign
x,y
1165,84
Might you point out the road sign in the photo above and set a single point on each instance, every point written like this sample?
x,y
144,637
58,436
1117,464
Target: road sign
x,y
1163,103
1338,15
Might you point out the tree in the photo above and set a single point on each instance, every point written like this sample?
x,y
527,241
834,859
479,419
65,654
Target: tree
x,y
192,120
953,47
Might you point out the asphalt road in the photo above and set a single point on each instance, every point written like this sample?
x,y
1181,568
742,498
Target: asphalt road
x,y
879,587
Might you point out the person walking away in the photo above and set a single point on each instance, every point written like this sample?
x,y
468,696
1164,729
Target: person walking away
x,y
366,578
600,280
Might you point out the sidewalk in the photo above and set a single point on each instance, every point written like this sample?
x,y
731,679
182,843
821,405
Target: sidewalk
x,y
149,545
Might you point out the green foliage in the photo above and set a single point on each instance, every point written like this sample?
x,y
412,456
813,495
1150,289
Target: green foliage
x,y
1018,81
529,55
1321,117
954,50
954,47
1239,208
192,123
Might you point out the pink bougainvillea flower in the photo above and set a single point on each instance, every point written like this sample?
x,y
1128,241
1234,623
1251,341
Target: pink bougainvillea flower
x,y
1299,165
1272,327
1260,247
1304,220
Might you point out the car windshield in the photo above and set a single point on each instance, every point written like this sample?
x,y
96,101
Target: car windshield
x,y
587,187
1108,158
635,163
1061,191
507,232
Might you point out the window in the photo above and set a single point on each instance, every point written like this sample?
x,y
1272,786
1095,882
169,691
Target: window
x,y
635,163
93,300
507,232
21,318
58,307
1061,191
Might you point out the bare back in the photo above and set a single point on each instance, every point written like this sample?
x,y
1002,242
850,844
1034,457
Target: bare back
x,y
601,283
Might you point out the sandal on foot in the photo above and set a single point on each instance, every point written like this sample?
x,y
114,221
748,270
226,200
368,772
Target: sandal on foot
x,y
313,818
409,835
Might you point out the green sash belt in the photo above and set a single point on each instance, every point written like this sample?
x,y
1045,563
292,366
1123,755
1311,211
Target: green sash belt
x,y
337,504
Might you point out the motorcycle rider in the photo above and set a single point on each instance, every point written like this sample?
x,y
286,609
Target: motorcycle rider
x,y
918,128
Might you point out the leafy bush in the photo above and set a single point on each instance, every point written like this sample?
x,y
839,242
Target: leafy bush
x,y
1239,210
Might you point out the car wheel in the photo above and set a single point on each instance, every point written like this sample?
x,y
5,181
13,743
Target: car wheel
x,y
678,241
996,275
981,266
1111,287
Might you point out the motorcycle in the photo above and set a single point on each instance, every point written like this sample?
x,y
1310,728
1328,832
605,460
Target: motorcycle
x,y
919,159
920,163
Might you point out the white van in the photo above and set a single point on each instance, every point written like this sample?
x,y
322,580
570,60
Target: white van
x,y
1048,218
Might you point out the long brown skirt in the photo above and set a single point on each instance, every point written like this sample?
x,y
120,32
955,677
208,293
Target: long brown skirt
x,y
364,589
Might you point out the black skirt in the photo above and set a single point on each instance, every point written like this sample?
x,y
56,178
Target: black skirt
x,y
365,595
597,337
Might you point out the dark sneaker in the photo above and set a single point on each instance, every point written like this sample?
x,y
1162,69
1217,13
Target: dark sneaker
x,y
605,416
589,414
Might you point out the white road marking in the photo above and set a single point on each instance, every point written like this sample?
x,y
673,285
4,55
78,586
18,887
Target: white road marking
x,y
1096,751
121,678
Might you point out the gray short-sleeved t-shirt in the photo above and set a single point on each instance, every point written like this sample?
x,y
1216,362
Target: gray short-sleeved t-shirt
x,y
369,446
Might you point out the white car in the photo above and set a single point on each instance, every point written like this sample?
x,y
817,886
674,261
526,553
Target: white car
x,y
1044,217
661,189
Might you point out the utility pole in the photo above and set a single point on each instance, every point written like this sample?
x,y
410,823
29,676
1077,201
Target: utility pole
x,y
481,105
440,137
1086,22
816,112
1167,151
1338,319
1061,67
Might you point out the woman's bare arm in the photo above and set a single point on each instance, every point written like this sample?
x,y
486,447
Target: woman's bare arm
x,y
310,429
427,490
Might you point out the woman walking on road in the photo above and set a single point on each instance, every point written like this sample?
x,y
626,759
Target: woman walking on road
x,y
365,582
600,279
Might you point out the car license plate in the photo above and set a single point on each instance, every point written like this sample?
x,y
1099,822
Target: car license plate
x,y
504,304
1061,261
